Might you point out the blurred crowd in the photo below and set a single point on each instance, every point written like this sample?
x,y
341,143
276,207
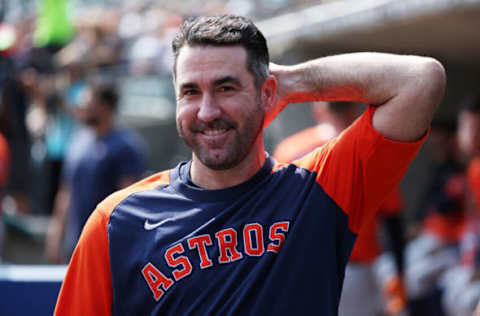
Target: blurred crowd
x,y
59,93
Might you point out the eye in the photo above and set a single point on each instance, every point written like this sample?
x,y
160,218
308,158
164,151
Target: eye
x,y
190,92
226,88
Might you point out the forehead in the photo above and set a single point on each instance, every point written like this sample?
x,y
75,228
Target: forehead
x,y
207,63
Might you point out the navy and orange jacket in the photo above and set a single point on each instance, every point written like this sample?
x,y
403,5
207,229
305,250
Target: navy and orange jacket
x,y
275,244
367,246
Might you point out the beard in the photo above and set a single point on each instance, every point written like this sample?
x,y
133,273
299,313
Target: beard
x,y
225,155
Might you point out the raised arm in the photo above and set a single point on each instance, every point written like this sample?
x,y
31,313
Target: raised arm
x,y
406,89
56,227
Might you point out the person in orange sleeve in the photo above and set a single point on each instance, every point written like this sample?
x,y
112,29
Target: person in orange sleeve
x,y
4,161
469,142
441,212
438,224
4,168
364,293
477,309
332,119
232,231
462,285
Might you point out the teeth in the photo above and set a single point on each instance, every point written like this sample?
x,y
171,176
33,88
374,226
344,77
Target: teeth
x,y
212,132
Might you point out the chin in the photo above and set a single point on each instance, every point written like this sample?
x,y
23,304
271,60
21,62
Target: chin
x,y
219,165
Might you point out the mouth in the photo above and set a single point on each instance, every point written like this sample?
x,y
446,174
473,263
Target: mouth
x,y
214,132
213,129
215,136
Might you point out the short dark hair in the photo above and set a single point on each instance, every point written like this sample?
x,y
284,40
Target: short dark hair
x,y
105,91
225,30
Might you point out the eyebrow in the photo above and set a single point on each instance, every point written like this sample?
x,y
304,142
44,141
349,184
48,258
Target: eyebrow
x,y
216,82
188,85
227,79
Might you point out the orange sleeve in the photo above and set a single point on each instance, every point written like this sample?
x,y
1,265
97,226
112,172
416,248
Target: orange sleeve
x,y
360,167
393,204
367,247
87,288
473,175
4,161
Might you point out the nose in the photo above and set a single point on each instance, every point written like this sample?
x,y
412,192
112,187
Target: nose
x,y
208,109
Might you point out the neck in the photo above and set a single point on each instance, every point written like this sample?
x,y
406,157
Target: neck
x,y
104,128
210,179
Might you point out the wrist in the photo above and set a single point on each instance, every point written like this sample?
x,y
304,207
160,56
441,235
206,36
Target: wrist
x,y
293,84
307,83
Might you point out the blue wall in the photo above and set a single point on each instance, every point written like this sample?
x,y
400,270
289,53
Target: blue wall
x,y
29,290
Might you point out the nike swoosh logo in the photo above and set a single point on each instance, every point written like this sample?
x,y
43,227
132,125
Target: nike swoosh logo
x,y
151,226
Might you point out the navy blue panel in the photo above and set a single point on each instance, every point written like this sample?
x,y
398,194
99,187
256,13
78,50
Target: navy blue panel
x,y
28,298
305,277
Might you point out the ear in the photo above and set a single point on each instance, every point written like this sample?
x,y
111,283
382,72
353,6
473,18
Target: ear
x,y
269,91
272,104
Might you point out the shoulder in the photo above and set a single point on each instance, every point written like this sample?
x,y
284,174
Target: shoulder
x,y
106,207
125,135
127,139
82,140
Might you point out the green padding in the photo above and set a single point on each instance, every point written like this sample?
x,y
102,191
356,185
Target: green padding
x,y
53,23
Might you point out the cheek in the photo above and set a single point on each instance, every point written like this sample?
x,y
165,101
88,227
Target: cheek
x,y
184,116
242,109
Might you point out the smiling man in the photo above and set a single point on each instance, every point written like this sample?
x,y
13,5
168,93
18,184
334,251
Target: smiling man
x,y
232,231
220,114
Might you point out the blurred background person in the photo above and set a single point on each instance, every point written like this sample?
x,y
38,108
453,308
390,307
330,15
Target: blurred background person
x,y
371,286
14,100
442,207
60,125
4,170
469,142
101,160
439,223
331,117
462,282
477,310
